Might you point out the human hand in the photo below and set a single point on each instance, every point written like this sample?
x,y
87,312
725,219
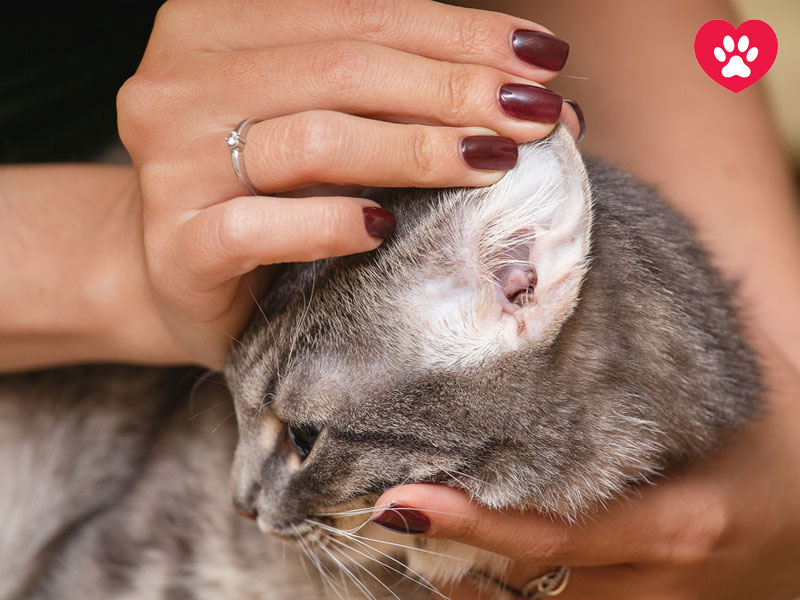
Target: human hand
x,y
349,92
724,528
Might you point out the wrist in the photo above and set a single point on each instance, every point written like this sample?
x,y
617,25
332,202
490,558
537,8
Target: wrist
x,y
75,286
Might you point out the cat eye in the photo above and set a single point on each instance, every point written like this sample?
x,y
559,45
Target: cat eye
x,y
303,437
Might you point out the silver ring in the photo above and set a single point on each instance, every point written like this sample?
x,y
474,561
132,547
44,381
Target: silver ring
x,y
545,586
235,141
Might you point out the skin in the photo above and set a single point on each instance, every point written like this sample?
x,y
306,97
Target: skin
x,y
89,243
728,527
702,533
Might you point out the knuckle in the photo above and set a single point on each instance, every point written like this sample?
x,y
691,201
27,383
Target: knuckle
x,y
472,36
369,17
330,236
154,177
167,15
425,155
310,138
141,108
231,232
471,529
696,543
454,91
343,66
132,104
557,547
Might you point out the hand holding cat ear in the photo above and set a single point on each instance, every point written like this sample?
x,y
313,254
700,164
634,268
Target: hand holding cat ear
x,y
394,93
719,530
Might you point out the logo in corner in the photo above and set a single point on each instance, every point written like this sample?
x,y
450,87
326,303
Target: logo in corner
x,y
736,57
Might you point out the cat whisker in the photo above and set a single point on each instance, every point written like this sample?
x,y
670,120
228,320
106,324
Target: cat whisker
x,y
303,556
228,416
199,381
377,509
486,483
325,574
205,410
349,573
341,532
261,406
367,571
236,340
421,580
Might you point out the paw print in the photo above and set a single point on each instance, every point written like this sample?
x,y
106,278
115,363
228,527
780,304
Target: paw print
x,y
735,65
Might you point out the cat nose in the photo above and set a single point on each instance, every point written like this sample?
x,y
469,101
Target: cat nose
x,y
243,512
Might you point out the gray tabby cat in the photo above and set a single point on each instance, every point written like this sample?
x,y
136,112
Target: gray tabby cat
x,y
543,343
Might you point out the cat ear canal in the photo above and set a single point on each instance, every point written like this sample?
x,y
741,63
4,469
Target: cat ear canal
x,y
531,238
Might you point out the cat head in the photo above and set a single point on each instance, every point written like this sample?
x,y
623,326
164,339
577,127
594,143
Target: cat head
x,y
484,347
425,359
522,342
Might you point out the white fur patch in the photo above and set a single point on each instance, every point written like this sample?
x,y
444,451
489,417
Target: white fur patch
x,y
543,207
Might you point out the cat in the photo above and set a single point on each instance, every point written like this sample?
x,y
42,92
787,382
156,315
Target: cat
x,y
544,343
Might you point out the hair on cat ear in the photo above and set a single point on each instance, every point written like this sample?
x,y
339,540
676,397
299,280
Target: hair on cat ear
x,y
531,237
521,253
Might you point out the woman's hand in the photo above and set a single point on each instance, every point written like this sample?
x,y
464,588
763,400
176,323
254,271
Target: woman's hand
x,y
726,528
387,93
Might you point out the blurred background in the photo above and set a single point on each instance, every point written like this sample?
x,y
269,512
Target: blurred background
x,y
782,83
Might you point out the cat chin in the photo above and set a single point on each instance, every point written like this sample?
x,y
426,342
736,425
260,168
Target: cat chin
x,y
454,561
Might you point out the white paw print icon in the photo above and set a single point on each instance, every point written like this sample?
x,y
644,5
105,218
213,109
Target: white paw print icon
x,y
735,65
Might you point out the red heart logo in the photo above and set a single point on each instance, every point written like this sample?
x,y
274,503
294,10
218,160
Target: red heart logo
x,y
735,58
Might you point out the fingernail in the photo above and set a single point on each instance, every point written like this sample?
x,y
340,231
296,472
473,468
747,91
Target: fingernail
x,y
530,103
378,222
540,49
402,519
489,152
581,121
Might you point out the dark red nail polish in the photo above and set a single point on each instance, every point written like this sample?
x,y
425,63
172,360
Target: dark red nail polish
x,y
530,103
403,520
581,121
540,49
489,152
378,222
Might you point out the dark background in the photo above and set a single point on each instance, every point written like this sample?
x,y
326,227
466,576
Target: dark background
x,y
61,66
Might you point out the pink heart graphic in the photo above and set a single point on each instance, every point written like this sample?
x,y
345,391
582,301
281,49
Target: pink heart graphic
x,y
736,57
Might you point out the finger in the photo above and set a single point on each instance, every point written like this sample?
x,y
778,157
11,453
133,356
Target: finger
x,y
426,28
228,239
324,146
371,80
572,116
679,523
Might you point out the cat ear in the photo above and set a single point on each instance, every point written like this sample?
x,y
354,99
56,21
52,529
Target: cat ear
x,y
530,236
520,252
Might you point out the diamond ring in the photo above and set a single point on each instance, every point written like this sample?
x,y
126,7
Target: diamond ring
x,y
235,141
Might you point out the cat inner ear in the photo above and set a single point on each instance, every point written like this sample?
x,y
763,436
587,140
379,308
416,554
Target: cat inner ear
x,y
529,239
513,262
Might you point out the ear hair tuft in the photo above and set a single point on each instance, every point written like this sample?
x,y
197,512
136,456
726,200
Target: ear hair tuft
x,y
516,275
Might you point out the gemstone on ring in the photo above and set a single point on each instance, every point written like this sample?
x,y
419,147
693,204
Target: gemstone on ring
x,y
233,139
